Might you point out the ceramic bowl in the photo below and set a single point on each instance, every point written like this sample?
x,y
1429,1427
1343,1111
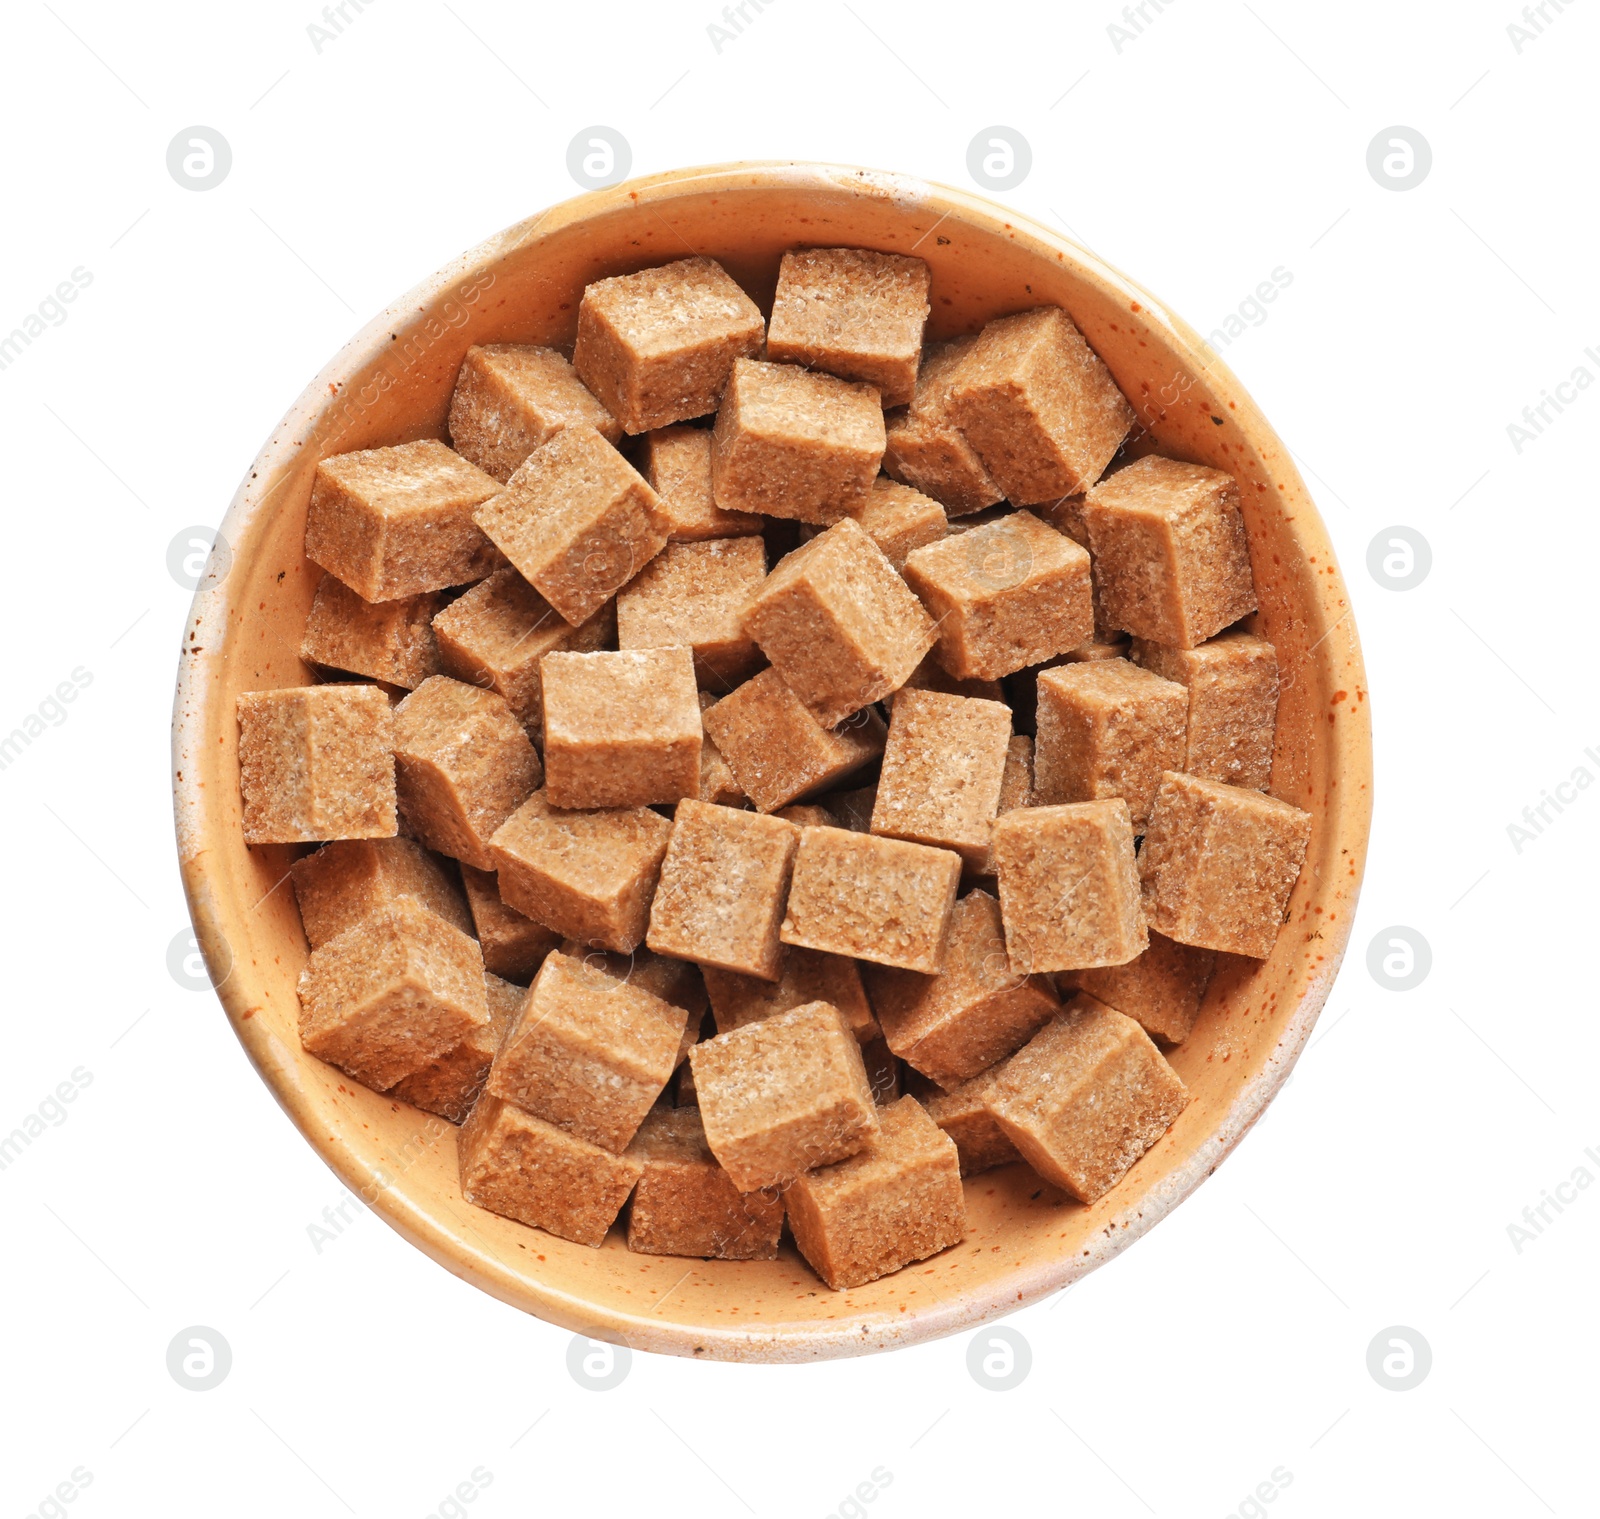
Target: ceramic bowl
x,y
392,383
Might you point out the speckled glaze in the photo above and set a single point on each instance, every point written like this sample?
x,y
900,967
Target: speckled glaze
x,y
392,383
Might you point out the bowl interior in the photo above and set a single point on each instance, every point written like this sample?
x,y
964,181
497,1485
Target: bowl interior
x,y
392,383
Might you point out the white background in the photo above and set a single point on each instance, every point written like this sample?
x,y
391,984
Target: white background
x,y
1223,141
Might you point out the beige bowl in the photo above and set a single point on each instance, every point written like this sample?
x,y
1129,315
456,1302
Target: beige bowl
x,y
392,383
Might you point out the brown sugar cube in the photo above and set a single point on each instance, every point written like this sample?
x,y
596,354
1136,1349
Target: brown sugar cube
x,y
621,729
677,463
395,991
778,751
1219,862
807,815
463,766
1010,593
520,1167
790,443
899,519
393,522
943,766
388,640
1162,989
588,1053
976,1011
783,1095
1039,406
1170,551
722,887
718,783
1233,704
804,975
1022,689
588,875
930,675
1069,886
657,346
686,1204
838,624
345,881
1106,728
496,635
926,450
316,762
870,898
853,313
981,1144
451,1084
854,809
514,946
898,1200
577,520
691,595
1016,789
1085,1098
511,397
883,1071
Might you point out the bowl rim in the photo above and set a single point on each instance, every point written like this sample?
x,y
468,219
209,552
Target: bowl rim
x,y
1028,1281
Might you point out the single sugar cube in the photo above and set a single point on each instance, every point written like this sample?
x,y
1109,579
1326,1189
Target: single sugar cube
x,y
1170,551
588,875
316,762
977,1010
1069,886
804,975
1039,406
621,729
577,520
870,898
722,886
898,1200
1232,682
1219,863
657,346
393,522
790,443
588,1053
1023,687
838,624
899,519
925,449
514,946
943,766
1085,1098
387,640
1009,593
345,881
463,766
718,784
778,751
390,994
1162,989
1016,789
1107,728
783,1095
522,1168
981,1144
853,313
496,635
691,595
677,463
451,1084
686,1204
511,397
